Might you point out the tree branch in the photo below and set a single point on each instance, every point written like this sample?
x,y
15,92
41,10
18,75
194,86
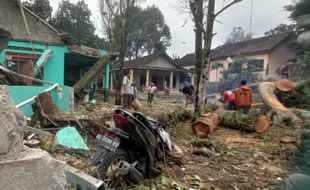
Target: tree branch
x,y
226,7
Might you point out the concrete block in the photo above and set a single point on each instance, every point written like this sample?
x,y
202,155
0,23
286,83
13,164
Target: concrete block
x,y
34,169
12,122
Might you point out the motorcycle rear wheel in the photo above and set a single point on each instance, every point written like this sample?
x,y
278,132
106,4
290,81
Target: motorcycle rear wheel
x,y
108,167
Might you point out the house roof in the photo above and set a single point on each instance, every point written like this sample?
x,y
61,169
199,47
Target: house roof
x,y
143,61
262,44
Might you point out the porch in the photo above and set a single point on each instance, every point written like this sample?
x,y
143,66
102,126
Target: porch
x,y
144,77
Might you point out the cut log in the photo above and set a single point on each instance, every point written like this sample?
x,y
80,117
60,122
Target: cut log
x,y
285,85
205,125
262,124
279,114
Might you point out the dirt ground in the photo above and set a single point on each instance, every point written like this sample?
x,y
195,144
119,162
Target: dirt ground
x,y
238,160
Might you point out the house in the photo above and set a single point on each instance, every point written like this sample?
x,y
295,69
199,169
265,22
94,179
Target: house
x,y
270,51
39,51
157,68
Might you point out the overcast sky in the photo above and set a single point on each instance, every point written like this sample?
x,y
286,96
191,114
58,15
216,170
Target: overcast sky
x,y
266,15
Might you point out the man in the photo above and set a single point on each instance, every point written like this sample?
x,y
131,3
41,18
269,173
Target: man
x,y
150,94
228,96
126,90
188,90
243,98
133,91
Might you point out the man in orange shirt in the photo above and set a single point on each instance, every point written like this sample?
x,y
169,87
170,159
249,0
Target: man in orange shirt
x,y
243,98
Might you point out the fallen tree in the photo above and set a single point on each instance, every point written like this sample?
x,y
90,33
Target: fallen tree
x,y
206,124
277,112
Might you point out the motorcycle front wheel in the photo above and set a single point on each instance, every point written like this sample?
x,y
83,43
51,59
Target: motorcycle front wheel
x,y
109,166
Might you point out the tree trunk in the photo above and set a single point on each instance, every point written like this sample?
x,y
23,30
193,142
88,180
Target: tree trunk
x,y
206,52
279,114
237,120
197,11
205,125
90,75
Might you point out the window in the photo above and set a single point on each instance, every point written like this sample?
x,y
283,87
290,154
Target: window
x,y
23,64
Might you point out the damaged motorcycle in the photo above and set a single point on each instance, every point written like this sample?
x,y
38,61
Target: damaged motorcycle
x,y
129,152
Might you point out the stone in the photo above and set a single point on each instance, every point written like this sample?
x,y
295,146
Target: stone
x,y
34,169
12,122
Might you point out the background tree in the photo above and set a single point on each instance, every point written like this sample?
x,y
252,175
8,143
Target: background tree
x,y
281,28
238,35
42,8
299,8
149,33
74,19
116,21
207,31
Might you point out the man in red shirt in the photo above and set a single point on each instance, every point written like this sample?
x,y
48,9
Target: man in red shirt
x,y
229,96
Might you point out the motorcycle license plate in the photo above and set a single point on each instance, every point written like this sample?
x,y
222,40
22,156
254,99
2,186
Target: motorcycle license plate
x,y
107,142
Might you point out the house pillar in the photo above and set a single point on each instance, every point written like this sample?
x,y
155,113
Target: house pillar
x,y
178,81
147,78
171,80
131,76
112,79
193,78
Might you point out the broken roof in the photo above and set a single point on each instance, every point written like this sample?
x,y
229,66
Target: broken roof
x,y
257,45
143,61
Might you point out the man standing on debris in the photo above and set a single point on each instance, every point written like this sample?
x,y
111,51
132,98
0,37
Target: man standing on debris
x,y
150,94
188,90
228,96
126,90
243,98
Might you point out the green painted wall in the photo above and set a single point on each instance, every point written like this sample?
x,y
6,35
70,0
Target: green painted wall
x,y
22,93
54,67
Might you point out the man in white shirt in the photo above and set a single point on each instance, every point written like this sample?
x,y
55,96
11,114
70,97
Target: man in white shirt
x,y
126,90
150,94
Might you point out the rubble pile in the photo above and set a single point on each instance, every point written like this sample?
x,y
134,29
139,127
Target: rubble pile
x,y
22,167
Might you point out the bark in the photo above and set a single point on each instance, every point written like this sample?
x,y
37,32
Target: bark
x,y
278,113
90,75
197,12
208,35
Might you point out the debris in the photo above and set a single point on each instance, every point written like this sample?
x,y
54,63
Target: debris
x,y
11,122
41,171
32,143
137,106
203,151
70,138
288,139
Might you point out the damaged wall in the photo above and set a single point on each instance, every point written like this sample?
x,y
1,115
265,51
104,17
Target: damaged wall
x,y
64,100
